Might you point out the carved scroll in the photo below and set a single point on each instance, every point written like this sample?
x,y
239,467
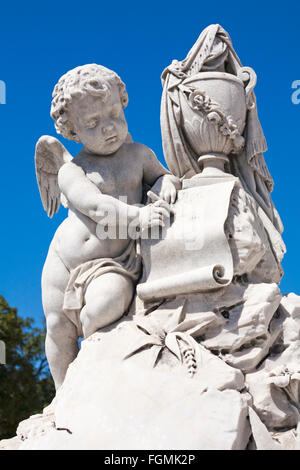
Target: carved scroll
x,y
192,254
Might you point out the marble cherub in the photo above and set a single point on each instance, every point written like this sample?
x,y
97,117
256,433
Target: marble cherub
x,y
89,279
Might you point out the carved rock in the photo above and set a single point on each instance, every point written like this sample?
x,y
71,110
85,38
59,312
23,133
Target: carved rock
x,y
126,405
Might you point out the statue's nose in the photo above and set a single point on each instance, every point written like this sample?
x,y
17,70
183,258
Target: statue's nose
x,y
108,128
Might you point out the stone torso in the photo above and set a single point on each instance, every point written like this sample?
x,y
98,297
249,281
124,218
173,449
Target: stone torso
x,y
119,175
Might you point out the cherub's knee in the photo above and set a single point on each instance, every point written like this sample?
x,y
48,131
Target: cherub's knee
x,y
107,299
96,315
99,313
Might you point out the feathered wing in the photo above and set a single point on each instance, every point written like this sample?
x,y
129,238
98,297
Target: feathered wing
x,y
50,155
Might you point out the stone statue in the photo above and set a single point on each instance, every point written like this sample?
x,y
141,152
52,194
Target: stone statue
x,y
214,143
90,275
209,121
208,355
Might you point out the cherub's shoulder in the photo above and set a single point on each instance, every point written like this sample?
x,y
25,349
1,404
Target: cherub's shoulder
x,y
70,169
81,162
138,149
80,159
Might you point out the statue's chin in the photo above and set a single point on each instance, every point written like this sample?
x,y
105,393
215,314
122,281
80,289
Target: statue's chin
x,y
109,147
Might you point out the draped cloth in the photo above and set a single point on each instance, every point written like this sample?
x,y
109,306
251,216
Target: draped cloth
x,y
213,51
127,264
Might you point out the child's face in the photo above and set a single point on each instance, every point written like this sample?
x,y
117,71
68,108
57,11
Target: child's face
x,y
100,126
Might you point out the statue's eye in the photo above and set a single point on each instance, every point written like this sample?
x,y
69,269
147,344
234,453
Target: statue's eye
x,y
115,113
92,123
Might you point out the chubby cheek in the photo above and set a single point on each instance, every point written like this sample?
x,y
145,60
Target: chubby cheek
x,y
122,127
95,138
90,136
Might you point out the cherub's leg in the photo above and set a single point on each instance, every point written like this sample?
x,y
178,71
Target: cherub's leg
x,y
106,300
62,335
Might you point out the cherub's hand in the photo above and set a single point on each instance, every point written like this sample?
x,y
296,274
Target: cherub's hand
x,y
154,214
170,184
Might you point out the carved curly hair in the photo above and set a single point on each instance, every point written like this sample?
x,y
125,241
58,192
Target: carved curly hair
x,y
87,79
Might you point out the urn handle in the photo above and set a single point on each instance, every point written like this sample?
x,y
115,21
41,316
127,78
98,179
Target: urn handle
x,y
247,74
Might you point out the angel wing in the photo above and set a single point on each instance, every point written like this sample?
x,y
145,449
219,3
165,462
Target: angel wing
x,y
50,155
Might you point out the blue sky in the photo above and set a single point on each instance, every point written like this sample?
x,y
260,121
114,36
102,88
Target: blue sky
x,y
39,42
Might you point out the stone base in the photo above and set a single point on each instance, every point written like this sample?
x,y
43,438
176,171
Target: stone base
x,y
130,388
110,403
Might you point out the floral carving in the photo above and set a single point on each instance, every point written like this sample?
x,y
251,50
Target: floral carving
x,y
172,336
199,101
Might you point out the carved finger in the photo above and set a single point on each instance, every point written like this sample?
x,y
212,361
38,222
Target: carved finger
x,y
173,195
162,203
167,197
162,211
157,221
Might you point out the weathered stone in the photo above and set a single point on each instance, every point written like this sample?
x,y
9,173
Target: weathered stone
x,y
124,405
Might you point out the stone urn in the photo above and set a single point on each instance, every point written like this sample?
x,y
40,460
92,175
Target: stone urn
x,y
213,110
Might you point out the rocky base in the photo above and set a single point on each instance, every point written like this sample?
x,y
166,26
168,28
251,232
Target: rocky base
x,y
145,384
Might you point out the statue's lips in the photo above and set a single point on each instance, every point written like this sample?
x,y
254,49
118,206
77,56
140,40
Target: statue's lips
x,y
111,139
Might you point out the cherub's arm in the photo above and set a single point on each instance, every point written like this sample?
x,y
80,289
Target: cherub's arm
x,y
152,168
156,174
84,196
